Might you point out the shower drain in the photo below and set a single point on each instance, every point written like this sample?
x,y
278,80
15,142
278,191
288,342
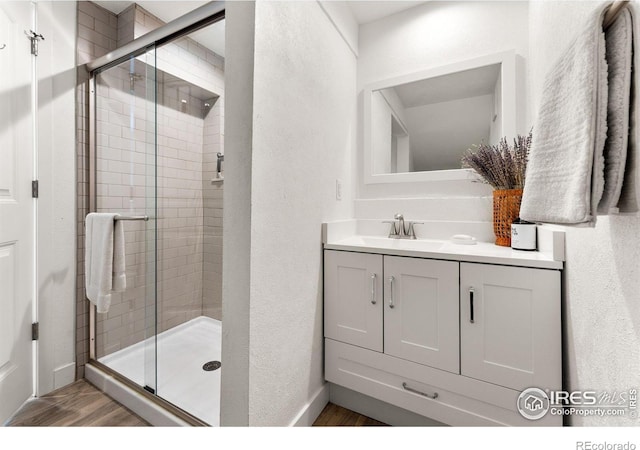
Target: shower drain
x,y
211,365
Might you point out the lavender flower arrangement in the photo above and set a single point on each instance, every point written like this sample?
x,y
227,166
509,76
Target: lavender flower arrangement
x,y
502,166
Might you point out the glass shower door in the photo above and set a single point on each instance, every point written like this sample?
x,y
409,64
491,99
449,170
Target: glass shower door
x,y
159,136
125,169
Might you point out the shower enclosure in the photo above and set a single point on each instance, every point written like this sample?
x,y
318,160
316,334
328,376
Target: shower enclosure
x,y
156,118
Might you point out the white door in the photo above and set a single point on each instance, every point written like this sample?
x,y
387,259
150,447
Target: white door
x,y
421,311
16,208
353,298
510,325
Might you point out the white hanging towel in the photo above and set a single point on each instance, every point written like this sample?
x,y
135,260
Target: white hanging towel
x,y
104,263
619,42
565,172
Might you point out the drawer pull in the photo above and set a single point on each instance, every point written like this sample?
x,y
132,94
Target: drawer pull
x,y
373,289
391,305
406,387
471,291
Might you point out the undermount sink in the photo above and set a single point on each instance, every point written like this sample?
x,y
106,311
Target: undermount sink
x,y
425,245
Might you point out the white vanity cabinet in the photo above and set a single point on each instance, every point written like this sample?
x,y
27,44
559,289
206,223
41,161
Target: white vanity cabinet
x,y
353,298
453,341
510,325
406,307
421,311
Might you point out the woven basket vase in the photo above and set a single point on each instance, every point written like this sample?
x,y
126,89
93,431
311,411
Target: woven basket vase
x,y
506,208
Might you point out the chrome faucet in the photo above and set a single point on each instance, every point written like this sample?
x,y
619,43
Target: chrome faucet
x,y
401,231
398,230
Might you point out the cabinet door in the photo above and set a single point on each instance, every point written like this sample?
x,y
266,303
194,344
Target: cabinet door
x,y
421,311
353,298
510,325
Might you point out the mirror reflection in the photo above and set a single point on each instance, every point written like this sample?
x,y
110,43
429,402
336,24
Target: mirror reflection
x,y
427,124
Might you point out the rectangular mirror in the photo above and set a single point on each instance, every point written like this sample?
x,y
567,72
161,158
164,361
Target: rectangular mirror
x,y
417,127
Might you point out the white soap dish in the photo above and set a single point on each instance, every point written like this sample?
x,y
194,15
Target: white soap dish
x,y
463,239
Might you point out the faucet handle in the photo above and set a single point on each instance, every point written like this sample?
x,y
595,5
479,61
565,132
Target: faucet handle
x,y
393,232
398,216
411,234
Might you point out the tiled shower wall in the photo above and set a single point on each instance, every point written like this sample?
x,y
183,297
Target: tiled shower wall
x,y
212,192
124,159
205,68
189,208
126,182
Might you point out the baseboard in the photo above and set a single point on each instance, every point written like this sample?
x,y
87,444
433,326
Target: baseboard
x,y
149,411
377,409
10,418
313,408
64,375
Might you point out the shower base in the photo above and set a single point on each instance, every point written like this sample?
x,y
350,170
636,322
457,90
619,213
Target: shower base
x,y
182,352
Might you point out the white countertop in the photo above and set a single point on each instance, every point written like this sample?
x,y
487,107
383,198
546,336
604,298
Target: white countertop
x,y
481,252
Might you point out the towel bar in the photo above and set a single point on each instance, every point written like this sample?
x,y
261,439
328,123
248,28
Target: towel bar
x,y
145,218
613,11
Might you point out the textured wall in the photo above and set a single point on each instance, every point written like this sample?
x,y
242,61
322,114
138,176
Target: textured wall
x,y
602,275
303,138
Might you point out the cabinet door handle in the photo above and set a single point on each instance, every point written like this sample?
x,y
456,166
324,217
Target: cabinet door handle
x,y
373,289
406,387
471,292
391,305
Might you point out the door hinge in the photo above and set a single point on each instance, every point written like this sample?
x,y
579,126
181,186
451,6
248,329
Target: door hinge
x,y
34,189
34,38
35,331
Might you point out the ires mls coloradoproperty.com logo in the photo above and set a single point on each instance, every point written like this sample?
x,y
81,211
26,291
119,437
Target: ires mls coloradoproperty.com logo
x,y
534,403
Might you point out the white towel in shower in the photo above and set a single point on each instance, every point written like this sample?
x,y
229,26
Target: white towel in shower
x,y
104,261
565,173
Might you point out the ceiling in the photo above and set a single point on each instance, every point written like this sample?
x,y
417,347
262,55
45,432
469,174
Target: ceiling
x,y
212,37
366,11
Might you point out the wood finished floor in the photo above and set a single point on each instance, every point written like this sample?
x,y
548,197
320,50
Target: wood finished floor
x,y
336,416
82,404
78,405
